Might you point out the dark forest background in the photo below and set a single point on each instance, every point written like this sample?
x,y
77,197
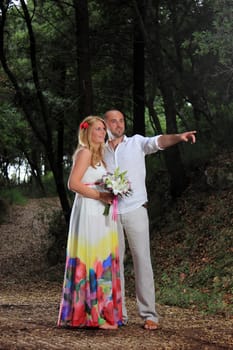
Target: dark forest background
x,y
167,65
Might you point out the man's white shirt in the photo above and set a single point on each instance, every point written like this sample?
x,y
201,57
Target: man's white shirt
x,y
130,155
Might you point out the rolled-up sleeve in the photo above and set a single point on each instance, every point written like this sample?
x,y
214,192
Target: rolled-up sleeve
x,y
156,142
150,144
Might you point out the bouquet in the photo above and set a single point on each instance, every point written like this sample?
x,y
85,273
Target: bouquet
x,y
118,184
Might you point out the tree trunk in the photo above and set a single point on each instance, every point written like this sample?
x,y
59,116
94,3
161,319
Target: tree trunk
x,y
153,115
139,71
35,166
178,178
85,106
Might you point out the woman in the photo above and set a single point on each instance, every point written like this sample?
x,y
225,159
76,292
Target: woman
x,y
91,291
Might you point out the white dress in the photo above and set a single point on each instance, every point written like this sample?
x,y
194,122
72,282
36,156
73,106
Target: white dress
x,y
91,290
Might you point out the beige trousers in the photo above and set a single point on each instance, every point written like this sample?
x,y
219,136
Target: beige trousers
x,y
135,226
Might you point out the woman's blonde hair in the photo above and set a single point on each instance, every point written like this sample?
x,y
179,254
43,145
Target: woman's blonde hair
x,y
84,140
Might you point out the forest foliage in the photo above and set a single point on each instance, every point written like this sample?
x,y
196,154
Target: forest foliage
x,y
167,65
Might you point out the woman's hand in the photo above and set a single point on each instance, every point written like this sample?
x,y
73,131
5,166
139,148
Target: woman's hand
x,y
106,197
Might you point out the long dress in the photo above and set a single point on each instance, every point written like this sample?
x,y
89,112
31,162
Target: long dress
x,y
91,293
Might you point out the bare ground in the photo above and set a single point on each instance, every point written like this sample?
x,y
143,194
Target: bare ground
x,y
29,303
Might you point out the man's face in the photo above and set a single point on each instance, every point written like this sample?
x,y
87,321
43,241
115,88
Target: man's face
x,y
115,123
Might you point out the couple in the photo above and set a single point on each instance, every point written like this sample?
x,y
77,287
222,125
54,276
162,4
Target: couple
x,y
93,290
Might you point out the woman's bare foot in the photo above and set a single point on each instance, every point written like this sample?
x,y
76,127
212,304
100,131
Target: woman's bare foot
x,y
106,325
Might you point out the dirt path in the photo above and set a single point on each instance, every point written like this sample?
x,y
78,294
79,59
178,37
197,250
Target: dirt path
x,y
28,314
29,305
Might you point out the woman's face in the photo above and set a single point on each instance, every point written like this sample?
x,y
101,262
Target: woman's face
x,y
98,132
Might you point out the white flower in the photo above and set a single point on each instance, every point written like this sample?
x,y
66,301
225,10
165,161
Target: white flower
x,y
116,183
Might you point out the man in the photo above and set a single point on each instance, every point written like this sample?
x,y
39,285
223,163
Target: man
x,y
128,153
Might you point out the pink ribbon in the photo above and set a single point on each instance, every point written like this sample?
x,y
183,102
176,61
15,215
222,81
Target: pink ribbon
x,y
115,205
92,183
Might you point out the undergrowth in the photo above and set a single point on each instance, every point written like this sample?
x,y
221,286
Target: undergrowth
x,y
192,252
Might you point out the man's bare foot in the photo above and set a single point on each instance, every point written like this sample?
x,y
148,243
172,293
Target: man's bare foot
x,y
150,325
106,325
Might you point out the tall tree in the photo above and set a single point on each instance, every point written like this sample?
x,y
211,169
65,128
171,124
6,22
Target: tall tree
x,y
155,49
83,58
38,104
47,91
139,69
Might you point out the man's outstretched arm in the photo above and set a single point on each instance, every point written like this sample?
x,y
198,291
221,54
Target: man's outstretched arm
x,y
168,140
